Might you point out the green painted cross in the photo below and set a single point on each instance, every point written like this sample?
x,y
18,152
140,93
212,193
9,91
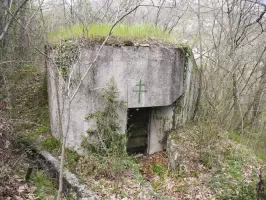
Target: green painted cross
x,y
139,90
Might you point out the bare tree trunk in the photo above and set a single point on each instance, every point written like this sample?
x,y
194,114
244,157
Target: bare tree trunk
x,y
258,94
63,147
7,26
256,101
235,96
232,64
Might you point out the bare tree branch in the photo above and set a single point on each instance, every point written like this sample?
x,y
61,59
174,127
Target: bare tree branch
x,y
11,20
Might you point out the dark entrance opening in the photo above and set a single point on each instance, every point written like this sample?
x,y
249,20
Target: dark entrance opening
x,y
138,130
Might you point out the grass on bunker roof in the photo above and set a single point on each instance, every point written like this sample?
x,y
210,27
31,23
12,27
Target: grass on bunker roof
x,y
132,32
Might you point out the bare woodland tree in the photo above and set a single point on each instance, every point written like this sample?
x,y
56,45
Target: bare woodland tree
x,y
237,33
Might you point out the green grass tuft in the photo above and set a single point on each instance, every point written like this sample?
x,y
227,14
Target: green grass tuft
x,y
45,188
51,143
71,159
31,136
261,156
139,31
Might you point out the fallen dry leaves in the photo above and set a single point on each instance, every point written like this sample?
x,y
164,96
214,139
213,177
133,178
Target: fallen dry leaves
x,y
13,188
147,161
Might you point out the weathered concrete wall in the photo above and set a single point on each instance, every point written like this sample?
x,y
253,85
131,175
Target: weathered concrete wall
x,y
186,104
161,122
164,119
160,69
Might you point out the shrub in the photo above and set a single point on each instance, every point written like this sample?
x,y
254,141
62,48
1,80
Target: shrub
x,y
109,140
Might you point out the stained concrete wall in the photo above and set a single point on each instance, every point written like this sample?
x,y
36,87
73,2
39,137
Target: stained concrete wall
x,y
161,122
161,70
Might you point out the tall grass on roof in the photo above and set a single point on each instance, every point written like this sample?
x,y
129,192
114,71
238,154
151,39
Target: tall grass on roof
x,y
139,31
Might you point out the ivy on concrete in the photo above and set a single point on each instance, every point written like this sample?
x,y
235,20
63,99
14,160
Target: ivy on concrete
x,y
66,55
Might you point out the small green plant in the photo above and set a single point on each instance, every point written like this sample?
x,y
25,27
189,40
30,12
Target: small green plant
x,y
45,188
109,140
207,159
51,143
159,169
71,158
186,50
31,136
235,167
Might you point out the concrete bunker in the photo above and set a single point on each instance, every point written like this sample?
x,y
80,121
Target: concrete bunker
x,y
158,83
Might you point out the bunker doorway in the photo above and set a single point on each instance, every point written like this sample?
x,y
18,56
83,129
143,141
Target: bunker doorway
x,y
138,130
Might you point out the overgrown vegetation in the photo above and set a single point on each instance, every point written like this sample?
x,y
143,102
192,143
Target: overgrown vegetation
x,y
136,31
26,112
30,104
45,186
27,104
66,54
108,136
51,143
229,180
228,168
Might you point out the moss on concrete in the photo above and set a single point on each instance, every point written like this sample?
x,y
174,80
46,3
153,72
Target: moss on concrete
x,y
100,31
